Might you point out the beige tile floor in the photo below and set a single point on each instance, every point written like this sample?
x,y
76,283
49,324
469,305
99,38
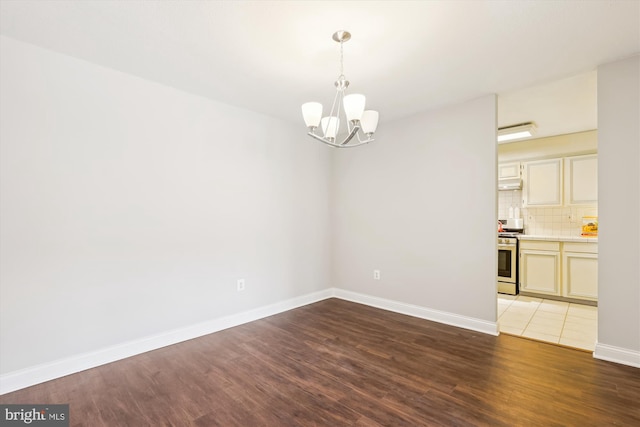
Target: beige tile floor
x,y
569,324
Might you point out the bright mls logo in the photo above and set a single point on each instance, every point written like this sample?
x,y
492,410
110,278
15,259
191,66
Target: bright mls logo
x,y
34,415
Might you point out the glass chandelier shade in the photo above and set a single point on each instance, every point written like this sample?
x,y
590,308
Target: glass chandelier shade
x,y
330,126
354,106
369,122
312,113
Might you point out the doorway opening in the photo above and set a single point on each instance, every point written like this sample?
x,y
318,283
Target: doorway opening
x,y
556,296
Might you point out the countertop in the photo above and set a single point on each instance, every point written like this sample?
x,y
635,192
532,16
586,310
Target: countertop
x,y
559,238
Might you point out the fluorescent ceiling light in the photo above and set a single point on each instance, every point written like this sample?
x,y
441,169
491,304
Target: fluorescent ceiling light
x,y
513,132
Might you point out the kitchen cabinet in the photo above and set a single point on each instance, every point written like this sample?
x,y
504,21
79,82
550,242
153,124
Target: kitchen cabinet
x,y
566,269
580,270
581,180
542,183
540,267
509,170
568,181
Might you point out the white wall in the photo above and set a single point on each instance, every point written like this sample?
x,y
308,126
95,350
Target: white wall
x,y
420,206
619,210
129,208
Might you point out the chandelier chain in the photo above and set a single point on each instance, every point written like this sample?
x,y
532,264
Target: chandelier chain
x,y
341,60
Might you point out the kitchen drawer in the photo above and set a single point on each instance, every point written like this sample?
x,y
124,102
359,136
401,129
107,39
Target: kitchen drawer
x,y
540,245
587,248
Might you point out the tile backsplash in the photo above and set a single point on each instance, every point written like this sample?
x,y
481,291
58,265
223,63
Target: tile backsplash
x,y
558,221
509,199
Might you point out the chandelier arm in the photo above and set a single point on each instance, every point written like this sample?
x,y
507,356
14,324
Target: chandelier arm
x,y
358,136
335,145
349,137
355,145
336,101
369,139
340,101
321,139
349,124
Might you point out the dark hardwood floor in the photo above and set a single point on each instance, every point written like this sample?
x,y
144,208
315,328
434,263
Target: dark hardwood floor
x,y
336,363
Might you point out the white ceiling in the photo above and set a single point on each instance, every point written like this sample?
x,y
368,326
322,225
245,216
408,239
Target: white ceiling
x,y
406,56
562,106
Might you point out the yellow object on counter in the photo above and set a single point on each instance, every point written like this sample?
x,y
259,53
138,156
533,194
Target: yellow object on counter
x,y
589,225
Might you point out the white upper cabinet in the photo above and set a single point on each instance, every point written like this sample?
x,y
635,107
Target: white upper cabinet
x,y
581,180
542,183
509,170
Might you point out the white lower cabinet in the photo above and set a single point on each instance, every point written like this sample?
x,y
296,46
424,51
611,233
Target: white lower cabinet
x,y
540,267
565,269
580,270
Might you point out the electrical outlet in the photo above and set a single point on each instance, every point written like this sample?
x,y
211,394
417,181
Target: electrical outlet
x,y
376,274
240,285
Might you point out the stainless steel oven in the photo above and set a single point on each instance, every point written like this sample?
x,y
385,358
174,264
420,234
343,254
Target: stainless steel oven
x,y
508,265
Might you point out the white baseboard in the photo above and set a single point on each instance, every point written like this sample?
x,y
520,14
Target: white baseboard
x,y
27,377
447,318
620,355
37,374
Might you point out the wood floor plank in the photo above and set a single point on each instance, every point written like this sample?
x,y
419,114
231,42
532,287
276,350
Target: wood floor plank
x,y
337,363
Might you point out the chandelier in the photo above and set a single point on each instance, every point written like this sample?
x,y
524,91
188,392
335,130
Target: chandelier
x,y
359,123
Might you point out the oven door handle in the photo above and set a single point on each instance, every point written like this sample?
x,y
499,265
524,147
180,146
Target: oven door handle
x,y
508,247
